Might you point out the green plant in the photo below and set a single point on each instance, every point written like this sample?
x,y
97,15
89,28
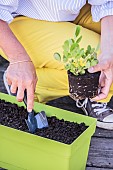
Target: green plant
x,y
76,59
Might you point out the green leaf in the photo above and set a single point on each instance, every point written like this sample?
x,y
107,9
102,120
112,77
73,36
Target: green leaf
x,y
89,49
65,53
73,46
79,39
82,72
66,45
73,53
94,62
65,59
94,56
81,52
57,56
69,55
77,32
92,50
67,67
78,53
88,64
70,42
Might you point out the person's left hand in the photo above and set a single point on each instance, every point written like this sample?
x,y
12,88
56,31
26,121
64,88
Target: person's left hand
x,y
105,65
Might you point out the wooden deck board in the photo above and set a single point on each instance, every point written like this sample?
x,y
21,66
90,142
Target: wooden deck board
x,y
101,149
104,133
101,153
90,168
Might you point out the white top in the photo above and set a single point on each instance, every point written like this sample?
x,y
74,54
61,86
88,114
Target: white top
x,y
53,10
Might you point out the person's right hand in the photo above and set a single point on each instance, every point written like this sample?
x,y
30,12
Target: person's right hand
x,y
22,76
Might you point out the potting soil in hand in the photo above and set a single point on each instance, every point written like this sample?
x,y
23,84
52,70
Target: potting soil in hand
x,y
59,130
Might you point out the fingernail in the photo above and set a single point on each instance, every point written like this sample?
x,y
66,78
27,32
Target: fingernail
x,y
91,69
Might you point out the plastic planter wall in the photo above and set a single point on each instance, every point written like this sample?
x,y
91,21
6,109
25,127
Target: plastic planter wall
x,y
22,151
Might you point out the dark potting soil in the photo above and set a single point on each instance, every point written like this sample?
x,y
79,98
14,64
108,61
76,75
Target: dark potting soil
x,y
63,131
83,86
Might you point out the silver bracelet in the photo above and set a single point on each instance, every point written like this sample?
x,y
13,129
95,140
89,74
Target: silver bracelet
x,y
16,62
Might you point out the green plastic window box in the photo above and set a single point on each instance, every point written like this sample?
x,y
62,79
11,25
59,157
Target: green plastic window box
x,y
23,151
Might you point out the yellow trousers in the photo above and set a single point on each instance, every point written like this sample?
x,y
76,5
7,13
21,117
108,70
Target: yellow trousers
x,y
42,39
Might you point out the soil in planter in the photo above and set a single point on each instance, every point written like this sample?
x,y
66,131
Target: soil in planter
x,y
63,131
84,86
